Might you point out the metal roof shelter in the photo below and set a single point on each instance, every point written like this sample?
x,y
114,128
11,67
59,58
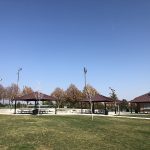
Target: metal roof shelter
x,y
142,102
34,96
142,99
97,98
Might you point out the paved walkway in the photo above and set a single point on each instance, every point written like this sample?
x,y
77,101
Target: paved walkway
x,y
130,116
101,115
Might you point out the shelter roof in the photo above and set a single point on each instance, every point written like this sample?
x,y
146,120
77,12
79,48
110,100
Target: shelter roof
x,y
118,101
142,99
35,96
98,98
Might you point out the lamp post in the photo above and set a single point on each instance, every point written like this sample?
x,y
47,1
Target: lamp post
x,y
87,93
18,77
85,71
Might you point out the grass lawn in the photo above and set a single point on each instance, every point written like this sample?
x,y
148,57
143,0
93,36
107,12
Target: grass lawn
x,y
73,133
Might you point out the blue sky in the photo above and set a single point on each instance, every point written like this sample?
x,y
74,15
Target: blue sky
x,y
52,40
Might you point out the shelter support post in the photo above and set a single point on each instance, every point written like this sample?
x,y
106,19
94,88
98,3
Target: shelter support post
x,y
35,104
15,106
105,111
138,107
105,105
131,108
118,109
115,107
55,110
93,108
81,108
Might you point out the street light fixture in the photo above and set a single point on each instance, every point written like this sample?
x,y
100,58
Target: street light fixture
x,y
85,71
18,73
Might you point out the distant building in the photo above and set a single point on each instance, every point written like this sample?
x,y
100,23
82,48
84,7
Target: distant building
x,y
142,103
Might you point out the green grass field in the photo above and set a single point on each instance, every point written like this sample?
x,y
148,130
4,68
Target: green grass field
x,y
73,133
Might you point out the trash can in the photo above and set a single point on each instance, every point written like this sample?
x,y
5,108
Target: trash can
x,y
35,112
106,111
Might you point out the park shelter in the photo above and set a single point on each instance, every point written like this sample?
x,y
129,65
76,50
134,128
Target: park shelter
x,y
97,99
142,103
35,97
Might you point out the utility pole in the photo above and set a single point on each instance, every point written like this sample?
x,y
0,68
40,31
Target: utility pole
x,y
18,77
85,71
87,93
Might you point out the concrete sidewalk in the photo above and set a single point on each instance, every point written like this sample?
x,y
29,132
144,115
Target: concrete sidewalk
x,y
70,112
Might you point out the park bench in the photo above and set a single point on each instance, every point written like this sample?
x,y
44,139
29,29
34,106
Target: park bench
x,y
25,111
43,111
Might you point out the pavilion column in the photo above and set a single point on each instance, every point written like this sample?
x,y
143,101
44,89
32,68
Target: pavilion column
x,y
105,105
90,106
119,108
115,107
138,107
15,106
35,104
105,109
81,108
49,103
55,110
131,108
93,108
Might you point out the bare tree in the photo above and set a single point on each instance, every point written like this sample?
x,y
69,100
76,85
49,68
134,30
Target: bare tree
x,y
12,92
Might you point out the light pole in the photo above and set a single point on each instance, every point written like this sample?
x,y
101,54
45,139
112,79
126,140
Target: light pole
x,y
87,93
85,71
18,77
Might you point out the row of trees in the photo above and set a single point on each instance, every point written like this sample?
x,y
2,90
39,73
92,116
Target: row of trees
x,y
69,97
12,91
72,95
